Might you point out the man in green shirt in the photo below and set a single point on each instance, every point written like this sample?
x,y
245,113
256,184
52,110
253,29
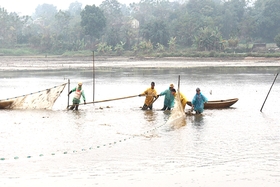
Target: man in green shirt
x,y
76,99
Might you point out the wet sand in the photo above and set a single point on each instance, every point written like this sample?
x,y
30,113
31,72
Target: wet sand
x,y
21,63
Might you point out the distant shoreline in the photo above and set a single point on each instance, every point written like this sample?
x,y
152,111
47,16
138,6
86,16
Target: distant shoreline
x,y
53,62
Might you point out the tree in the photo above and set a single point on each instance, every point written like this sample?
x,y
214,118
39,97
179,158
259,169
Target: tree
x,y
45,12
267,19
114,21
130,32
62,22
277,40
22,26
143,11
156,32
75,8
199,15
148,10
62,32
44,19
183,28
76,36
172,44
93,21
232,14
209,39
112,11
11,28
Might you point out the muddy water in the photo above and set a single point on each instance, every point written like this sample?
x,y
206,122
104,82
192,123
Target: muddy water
x,y
117,144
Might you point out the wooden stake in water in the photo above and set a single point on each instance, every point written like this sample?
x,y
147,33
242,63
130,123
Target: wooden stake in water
x,y
269,91
178,91
179,84
68,92
93,77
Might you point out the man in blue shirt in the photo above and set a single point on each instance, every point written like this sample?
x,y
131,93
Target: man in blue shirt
x,y
168,99
198,102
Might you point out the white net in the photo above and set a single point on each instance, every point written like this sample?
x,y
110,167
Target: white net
x,y
177,118
44,99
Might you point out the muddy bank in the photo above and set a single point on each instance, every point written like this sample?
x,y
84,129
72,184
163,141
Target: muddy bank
x,y
42,62
120,58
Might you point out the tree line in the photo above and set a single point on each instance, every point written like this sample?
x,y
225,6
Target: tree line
x,y
144,27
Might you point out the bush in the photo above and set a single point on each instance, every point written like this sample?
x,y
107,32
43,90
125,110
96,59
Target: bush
x,y
212,54
233,42
277,40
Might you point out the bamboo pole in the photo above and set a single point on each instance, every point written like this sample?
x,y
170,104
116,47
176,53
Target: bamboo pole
x,y
269,91
106,100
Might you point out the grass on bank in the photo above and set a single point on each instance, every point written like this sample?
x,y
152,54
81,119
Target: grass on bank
x,y
18,52
241,52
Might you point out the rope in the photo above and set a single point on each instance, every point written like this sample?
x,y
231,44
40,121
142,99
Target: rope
x,y
90,148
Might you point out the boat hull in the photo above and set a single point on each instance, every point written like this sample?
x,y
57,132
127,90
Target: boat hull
x,y
43,99
5,104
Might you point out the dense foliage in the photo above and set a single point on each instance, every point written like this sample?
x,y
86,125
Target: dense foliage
x,y
150,25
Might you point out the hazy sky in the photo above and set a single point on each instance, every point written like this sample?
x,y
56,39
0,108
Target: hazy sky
x,y
23,7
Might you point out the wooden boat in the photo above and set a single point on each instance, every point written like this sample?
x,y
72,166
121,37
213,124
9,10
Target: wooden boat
x,y
43,99
5,104
218,104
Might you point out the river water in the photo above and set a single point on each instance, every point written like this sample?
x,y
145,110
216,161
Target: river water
x,y
117,144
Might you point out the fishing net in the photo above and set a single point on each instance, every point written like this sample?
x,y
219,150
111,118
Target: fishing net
x,y
44,99
177,117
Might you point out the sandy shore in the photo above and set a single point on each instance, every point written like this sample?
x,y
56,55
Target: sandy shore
x,y
22,63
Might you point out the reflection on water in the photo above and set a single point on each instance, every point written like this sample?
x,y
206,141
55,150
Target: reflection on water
x,y
197,120
121,145
150,115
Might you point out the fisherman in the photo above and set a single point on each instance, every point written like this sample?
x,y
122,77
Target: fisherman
x,y
168,98
78,93
183,98
151,96
198,102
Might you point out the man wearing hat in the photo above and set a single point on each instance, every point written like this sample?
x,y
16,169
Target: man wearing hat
x,y
168,98
198,102
78,93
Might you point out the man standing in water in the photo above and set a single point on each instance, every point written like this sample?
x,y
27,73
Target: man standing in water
x,y
183,98
198,102
168,98
76,99
151,95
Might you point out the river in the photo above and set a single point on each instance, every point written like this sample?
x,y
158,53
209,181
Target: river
x,y
117,144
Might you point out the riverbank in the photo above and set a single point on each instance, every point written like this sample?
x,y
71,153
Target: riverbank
x,y
54,62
